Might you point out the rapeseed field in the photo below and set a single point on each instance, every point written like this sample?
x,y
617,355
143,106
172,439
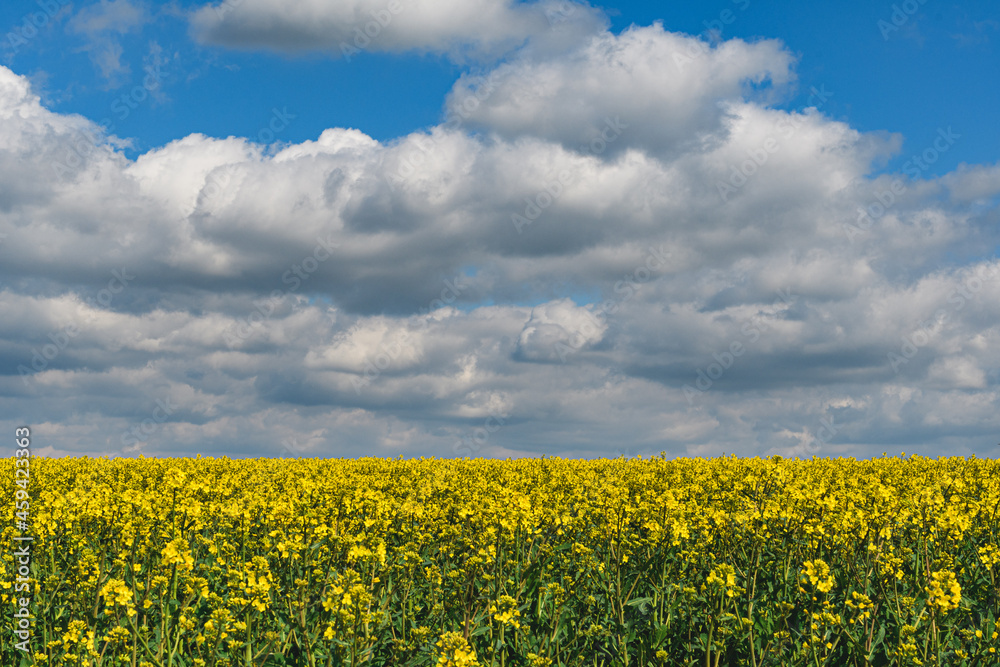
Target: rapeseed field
x,y
532,562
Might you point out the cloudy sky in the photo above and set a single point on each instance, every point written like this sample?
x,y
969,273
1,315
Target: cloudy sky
x,y
494,228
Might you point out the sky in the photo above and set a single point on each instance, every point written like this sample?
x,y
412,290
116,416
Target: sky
x,y
452,228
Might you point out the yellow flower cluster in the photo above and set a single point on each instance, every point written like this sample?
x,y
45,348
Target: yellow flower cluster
x,y
817,573
723,576
506,611
176,553
944,592
544,562
455,651
117,592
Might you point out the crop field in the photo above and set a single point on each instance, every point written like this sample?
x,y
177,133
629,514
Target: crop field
x,y
533,562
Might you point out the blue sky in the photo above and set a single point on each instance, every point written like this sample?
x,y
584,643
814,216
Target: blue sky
x,y
321,259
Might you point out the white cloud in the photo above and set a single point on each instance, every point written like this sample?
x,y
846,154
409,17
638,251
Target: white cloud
x,y
646,87
558,329
957,373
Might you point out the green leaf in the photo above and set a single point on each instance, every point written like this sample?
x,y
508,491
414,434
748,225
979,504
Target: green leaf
x,y
877,642
638,601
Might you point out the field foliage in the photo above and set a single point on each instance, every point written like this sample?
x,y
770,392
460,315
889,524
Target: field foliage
x,y
191,562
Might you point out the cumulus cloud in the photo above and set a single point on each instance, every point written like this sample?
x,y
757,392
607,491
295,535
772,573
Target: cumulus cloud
x,y
645,88
721,282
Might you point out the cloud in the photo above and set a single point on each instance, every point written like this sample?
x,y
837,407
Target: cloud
x,y
121,16
102,25
973,183
477,28
556,329
503,292
977,33
663,92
